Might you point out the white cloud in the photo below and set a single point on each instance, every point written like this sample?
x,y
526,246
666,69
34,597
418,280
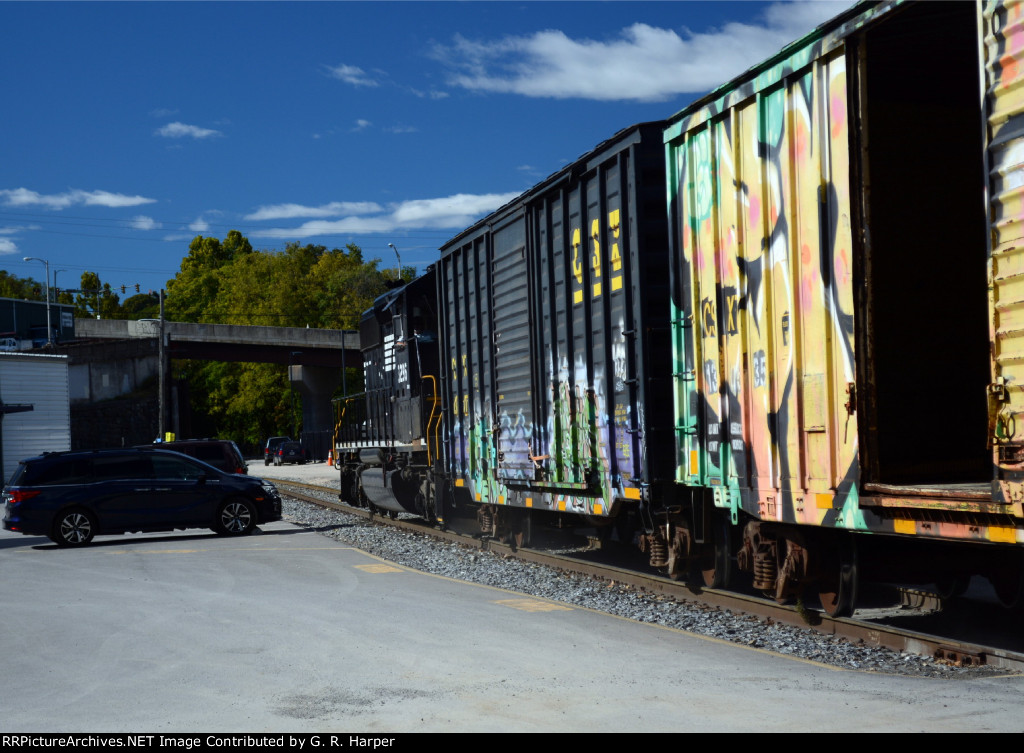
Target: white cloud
x,y
452,211
15,229
432,94
199,225
350,74
22,197
182,130
642,63
141,222
334,209
8,246
401,129
362,125
366,217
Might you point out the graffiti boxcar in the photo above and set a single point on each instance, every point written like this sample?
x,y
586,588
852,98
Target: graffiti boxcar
x,y
782,331
830,308
554,314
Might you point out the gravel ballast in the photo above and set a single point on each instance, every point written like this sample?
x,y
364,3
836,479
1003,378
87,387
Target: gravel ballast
x,y
424,553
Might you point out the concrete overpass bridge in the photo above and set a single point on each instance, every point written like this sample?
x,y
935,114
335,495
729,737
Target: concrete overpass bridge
x,y
235,342
110,354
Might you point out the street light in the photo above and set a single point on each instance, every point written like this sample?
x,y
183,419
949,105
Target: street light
x,y
49,328
395,249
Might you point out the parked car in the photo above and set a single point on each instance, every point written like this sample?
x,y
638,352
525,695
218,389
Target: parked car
x,y
290,452
73,496
270,448
220,453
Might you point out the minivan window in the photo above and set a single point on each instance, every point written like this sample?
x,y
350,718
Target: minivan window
x,y
121,467
67,471
177,468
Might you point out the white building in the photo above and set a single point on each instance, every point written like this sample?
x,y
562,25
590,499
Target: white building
x,y
42,382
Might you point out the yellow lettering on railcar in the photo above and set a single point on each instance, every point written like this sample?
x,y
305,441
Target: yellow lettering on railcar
x,y
616,256
577,266
595,259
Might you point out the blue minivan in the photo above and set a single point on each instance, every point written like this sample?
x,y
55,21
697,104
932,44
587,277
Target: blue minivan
x,y
73,496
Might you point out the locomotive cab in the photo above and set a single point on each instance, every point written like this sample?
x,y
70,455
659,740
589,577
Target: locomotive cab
x,y
386,437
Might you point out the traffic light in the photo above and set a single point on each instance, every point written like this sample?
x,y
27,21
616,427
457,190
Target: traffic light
x,y
122,290
136,287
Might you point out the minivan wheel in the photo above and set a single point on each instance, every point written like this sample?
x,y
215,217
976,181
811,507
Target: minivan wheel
x,y
74,527
236,517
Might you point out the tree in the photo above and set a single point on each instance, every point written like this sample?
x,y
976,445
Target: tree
x,y
230,283
141,306
97,300
22,288
193,291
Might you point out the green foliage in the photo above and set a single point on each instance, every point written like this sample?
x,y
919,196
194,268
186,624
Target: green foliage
x,y
141,306
227,282
98,300
22,288
302,286
230,283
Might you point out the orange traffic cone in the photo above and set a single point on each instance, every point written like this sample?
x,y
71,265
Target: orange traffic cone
x,y
330,457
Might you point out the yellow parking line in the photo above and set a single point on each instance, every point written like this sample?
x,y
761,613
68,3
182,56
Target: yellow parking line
x,y
533,605
379,569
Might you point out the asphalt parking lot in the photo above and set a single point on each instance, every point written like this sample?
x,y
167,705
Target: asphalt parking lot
x,y
321,474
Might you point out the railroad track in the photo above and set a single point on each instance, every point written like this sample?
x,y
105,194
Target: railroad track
x,y
872,626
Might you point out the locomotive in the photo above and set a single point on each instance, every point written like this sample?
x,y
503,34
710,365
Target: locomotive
x,y
778,332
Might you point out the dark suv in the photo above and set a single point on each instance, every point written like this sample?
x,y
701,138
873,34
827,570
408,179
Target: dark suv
x,y
220,453
289,452
270,448
73,496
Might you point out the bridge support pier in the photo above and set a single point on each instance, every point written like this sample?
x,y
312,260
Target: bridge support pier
x,y
316,385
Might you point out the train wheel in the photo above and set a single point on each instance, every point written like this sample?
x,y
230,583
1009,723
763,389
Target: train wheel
x,y
837,589
715,559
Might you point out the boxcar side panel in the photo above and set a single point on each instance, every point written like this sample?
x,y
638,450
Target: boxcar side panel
x,y
1003,24
763,321
561,425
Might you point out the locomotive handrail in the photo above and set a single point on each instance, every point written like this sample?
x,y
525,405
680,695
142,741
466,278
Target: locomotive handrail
x,y
433,421
342,407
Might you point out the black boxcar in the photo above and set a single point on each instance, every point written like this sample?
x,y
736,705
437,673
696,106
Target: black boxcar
x,y
554,325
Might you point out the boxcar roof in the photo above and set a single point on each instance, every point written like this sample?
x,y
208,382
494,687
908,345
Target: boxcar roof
x,y
583,163
769,72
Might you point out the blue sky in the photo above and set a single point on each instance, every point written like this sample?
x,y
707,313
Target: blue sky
x,y
130,128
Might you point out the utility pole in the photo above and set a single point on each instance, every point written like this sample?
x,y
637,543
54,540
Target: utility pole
x,y
162,369
395,249
46,284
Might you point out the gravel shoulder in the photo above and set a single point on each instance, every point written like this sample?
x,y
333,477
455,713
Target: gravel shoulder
x,y
476,566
